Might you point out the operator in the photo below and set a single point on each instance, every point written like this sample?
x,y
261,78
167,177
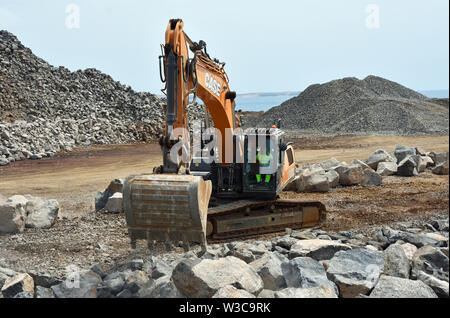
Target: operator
x,y
264,161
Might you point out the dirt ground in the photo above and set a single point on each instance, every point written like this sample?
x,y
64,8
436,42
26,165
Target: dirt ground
x,y
83,237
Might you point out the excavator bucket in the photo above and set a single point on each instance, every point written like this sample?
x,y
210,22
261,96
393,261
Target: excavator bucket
x,y
166,208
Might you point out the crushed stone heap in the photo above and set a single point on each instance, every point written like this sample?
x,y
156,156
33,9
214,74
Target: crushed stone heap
x,y
46,109
373,105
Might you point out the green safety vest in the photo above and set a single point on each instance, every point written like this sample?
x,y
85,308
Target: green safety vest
x,y
264,159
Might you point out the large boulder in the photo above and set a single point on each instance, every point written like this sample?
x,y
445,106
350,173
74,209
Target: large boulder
x,y
441,168
313,180
317,249
163,287
396,263
43,216
333,178
329,164
364,165
355,271
101,199
351,175
203,278
402,152
268,268
114,204
418,240
371,178
81,285
396,287
440,158
12,218
432,261
378,156
440,287
387,168
312,292
304,272
407,167
17,284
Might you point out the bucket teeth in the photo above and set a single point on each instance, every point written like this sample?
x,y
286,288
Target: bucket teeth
x,y
166,208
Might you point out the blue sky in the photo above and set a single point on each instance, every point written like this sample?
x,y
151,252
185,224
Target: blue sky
x,y
268,46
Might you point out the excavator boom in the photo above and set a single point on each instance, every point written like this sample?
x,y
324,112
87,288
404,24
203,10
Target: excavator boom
x,y
173,205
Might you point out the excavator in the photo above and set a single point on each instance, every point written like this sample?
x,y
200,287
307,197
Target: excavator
x,y
234,194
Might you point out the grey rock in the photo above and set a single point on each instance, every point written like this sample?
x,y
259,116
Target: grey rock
x,y
43,216
313,180
82,286
440,287
355,271
12,218
284,241
160,269
114,204
396,263
396,287
407,167
203,278
268,268
378,156
351,175
440,158
304,272
329,164
316,249
387,168
402,152
23,294
18,284
163,287
418,240
333,178
371,178
432,261
441,169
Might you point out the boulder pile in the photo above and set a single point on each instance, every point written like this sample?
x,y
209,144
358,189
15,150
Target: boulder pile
x,y
405,161
46,109
406,259
19,212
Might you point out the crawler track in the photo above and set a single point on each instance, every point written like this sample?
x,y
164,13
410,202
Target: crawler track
x,y
246,218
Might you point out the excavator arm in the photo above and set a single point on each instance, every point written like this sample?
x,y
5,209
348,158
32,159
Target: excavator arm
x,y
200,76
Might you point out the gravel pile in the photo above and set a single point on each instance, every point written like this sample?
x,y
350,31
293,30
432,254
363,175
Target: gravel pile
x,y
351,106
46,109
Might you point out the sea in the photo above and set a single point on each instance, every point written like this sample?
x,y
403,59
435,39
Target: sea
x,y
261,102
265,101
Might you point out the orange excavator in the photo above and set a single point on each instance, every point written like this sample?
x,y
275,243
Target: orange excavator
x,y
234,194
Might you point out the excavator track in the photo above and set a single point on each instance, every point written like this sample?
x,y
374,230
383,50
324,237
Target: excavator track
x,y
245,218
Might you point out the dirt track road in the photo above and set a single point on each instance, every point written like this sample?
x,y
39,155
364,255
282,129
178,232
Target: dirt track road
x,y
74,178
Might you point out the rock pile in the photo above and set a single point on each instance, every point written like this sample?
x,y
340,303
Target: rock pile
x,y
351,106
19,212
405,161
407,259
46,109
